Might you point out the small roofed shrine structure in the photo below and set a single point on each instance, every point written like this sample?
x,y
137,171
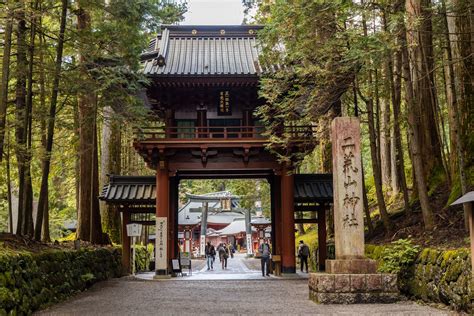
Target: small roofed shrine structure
x,y
214,211
202,95
261,224
135,198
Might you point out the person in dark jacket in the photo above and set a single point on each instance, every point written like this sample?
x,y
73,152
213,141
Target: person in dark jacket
x,y
303,253
265,251
223,255
210,255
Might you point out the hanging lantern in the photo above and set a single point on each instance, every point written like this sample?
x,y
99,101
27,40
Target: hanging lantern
x,y
226,204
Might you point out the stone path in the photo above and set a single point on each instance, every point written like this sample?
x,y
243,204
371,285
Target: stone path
x,y
207,293
236,297
238,268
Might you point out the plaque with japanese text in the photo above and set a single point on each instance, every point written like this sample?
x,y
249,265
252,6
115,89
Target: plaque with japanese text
x,y
224,103
161,243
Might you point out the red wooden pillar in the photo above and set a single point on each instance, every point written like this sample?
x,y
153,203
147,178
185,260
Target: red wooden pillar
x,y
125,243
276,215
288,223
162,210
172,215
322,249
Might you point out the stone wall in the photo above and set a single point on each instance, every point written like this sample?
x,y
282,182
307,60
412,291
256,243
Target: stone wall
x,y
441,276
327,288
29,282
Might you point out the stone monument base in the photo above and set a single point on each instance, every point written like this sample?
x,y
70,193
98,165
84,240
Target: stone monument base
x,y
366,288
351,266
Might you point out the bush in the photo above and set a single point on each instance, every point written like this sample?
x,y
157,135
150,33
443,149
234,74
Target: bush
x,y
143,257
400,255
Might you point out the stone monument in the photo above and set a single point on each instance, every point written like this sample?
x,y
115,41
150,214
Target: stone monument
x,y
350,278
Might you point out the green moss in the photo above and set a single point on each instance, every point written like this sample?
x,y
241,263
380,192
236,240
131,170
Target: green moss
x,y
437,177
424,255
434,254
31,281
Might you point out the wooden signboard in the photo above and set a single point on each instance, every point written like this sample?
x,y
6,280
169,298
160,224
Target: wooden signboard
x,y
175,266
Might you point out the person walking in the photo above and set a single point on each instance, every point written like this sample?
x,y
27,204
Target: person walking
x,y
223,255
219,252
264,250
231,250
210,254
303,253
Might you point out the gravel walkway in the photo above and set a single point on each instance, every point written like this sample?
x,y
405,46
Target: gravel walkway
x,y
169,297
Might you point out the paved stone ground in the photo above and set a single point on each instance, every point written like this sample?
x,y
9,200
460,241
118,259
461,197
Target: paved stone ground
x,y
238,268
232,297
238,290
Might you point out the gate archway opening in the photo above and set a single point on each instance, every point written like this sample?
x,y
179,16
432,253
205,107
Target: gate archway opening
x,y
135,198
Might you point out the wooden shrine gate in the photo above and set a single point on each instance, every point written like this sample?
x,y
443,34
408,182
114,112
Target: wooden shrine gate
x,y
203,95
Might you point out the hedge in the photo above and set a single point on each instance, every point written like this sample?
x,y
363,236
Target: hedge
x,y
29,282
441,276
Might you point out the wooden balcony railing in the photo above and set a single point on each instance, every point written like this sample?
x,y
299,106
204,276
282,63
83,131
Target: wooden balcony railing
x,y
296,133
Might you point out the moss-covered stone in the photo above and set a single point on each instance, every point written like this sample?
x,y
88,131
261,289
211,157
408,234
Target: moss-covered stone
x,y
436,276
31,281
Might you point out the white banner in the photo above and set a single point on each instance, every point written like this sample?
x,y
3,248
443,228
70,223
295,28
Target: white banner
x,y
249,244
203,245
161,243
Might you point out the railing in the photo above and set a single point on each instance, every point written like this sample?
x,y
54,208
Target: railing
x,y
300,133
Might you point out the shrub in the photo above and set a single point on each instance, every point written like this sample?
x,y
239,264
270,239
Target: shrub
x,y
143,257
401,254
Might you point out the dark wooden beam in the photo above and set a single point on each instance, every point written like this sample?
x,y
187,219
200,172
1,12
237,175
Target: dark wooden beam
x,y
300,208
146,223
306,221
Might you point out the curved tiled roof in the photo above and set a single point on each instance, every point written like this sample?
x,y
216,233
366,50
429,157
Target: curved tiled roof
x,y
141,190
130,189
226,50
313,188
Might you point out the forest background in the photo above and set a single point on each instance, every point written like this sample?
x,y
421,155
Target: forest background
x,y
70,102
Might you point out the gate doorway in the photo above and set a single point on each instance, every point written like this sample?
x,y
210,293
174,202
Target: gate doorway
x,y
135,198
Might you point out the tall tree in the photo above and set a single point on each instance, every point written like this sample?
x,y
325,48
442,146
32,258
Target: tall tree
x,y
421,61
21,120
460,49
87,109
110,164
414,130
7,44
43,207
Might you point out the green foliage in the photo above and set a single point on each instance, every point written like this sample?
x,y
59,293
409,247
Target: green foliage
x,y
119,31
399,255
29,282
322,47
143,257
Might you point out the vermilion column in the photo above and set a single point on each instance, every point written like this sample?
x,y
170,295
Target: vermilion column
x,y
287,223
162,211
276,215
125,243
172,215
